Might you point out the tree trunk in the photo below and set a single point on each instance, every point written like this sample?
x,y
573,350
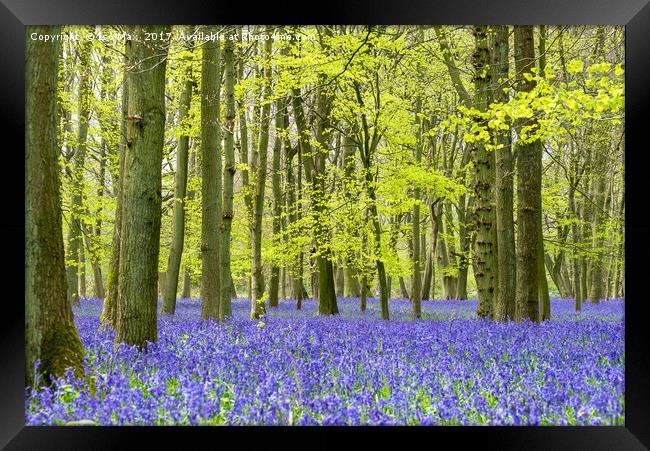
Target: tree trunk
x,y
340,280
109,308
402,287
162,284
180,191
544,301
350,282
210,179
327,304
416,288
363,293
596,291
485,249
464,244
449,283
244,149
277,197
529,183
368,149
227,287
187,285
50,333
428,270
258,298
191,173
96,232
74,257
137,321
82,264
504,307
98,285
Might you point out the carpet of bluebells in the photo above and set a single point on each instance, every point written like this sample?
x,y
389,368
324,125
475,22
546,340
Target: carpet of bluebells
x,y
295,368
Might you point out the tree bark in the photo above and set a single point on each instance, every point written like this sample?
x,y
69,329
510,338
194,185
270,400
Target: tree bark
x,y
50,333
229,177
109,308
75,268
258,299
180,192
529,184
416,287
596,290
210,179
187,285
485,249
137,321
277,197
544,300
504,307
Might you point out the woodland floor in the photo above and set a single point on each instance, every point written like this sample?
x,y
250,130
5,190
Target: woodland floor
x,y
296,368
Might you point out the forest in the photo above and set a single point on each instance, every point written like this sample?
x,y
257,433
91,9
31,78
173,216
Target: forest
x,y
321,224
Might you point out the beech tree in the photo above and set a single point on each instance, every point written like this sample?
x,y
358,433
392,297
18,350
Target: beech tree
x,y
258,297
50,333
529,186
504,305
137,313
180,191
210,178
225,308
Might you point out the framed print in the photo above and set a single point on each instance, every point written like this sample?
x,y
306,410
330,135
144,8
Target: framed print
x,y
375,219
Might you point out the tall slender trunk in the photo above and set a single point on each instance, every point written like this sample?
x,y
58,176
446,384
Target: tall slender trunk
x,y
276,180
93,236
596,290
75,268
620,252
432,251
247,189
137,322
363,280
258,299
544,300
464,245
180,191
210,179
370,143
82,263
376,227
96,232
428,273
191,173
225,305
299,287
109,308
485,249
504,307
529,182
294,185
416,287
449,282
350,282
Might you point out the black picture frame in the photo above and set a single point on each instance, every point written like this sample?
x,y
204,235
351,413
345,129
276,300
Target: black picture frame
x,y
634,14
